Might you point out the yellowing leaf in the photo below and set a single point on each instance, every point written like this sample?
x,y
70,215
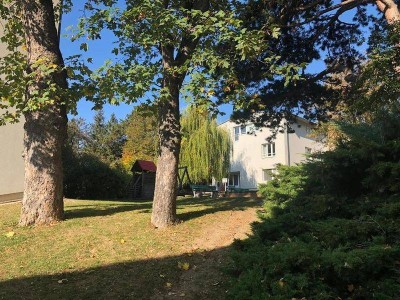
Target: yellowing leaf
x,y
184,266
10,234
122,241
281,282
70,72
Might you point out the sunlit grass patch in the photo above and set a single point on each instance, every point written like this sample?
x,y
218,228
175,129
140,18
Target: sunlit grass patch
x,y
104,247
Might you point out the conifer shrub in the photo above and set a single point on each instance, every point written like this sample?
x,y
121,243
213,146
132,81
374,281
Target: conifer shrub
x,y
331,227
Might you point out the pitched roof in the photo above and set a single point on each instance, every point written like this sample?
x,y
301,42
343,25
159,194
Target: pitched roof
x,y
144,165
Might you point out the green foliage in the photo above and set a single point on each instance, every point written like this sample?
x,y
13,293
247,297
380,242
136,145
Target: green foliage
x,y
206,148
331,227
360,71
377,83
91,159
105,139
148,33
17,75
87,177
285,185
141,137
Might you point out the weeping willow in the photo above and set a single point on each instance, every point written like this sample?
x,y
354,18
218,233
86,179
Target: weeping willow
x,y
205,147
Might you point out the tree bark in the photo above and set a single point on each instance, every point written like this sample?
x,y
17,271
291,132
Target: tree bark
x,y
164,202
165,193
45,129
390,9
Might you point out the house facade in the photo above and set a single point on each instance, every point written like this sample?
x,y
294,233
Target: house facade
x,y
11,161
254,158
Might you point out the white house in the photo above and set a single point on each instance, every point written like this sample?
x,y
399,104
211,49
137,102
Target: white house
x,y
11,161
254,158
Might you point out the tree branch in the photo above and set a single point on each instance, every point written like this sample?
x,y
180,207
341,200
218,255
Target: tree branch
x,y
390,9
166,3
188,43
310,5
342,7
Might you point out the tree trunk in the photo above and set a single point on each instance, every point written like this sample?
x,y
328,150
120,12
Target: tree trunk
x,y
165,193
390,9
164,202
45,129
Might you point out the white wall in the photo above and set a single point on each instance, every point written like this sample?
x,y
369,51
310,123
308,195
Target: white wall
x,y
247,157
11,161
299,140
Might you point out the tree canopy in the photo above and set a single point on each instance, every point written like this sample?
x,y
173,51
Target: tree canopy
x,y
141,137
316,31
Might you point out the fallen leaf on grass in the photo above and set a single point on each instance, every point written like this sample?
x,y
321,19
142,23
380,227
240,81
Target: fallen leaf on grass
x,y
122,241
281,282
61,281
162,275
10,234
183,266
168,284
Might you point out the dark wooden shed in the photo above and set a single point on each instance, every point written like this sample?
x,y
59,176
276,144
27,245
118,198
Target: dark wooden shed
x,y
144,179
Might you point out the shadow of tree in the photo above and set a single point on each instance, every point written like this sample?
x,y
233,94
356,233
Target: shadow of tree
x,y
205,206
144,279
84,211
216,205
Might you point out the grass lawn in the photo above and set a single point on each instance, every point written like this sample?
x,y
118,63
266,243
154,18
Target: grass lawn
x,y
109,250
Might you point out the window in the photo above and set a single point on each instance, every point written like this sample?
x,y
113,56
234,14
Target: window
x,y
242,129
234,179
236,132
308,150
267,174
268,150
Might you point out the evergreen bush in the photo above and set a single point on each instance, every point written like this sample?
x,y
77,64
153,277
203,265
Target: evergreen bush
x,y
331,227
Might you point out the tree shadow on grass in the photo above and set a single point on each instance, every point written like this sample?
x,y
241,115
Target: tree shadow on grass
x,y
101,210
215,205
206,206
145,279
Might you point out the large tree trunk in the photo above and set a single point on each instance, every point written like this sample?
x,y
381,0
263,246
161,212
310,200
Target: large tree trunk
x,y
164,203
45,129
391,12
390,9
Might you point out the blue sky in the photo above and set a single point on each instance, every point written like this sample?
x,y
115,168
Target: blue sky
x,y
100,50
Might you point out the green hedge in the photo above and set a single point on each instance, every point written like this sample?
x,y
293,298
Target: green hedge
x,y
87,177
